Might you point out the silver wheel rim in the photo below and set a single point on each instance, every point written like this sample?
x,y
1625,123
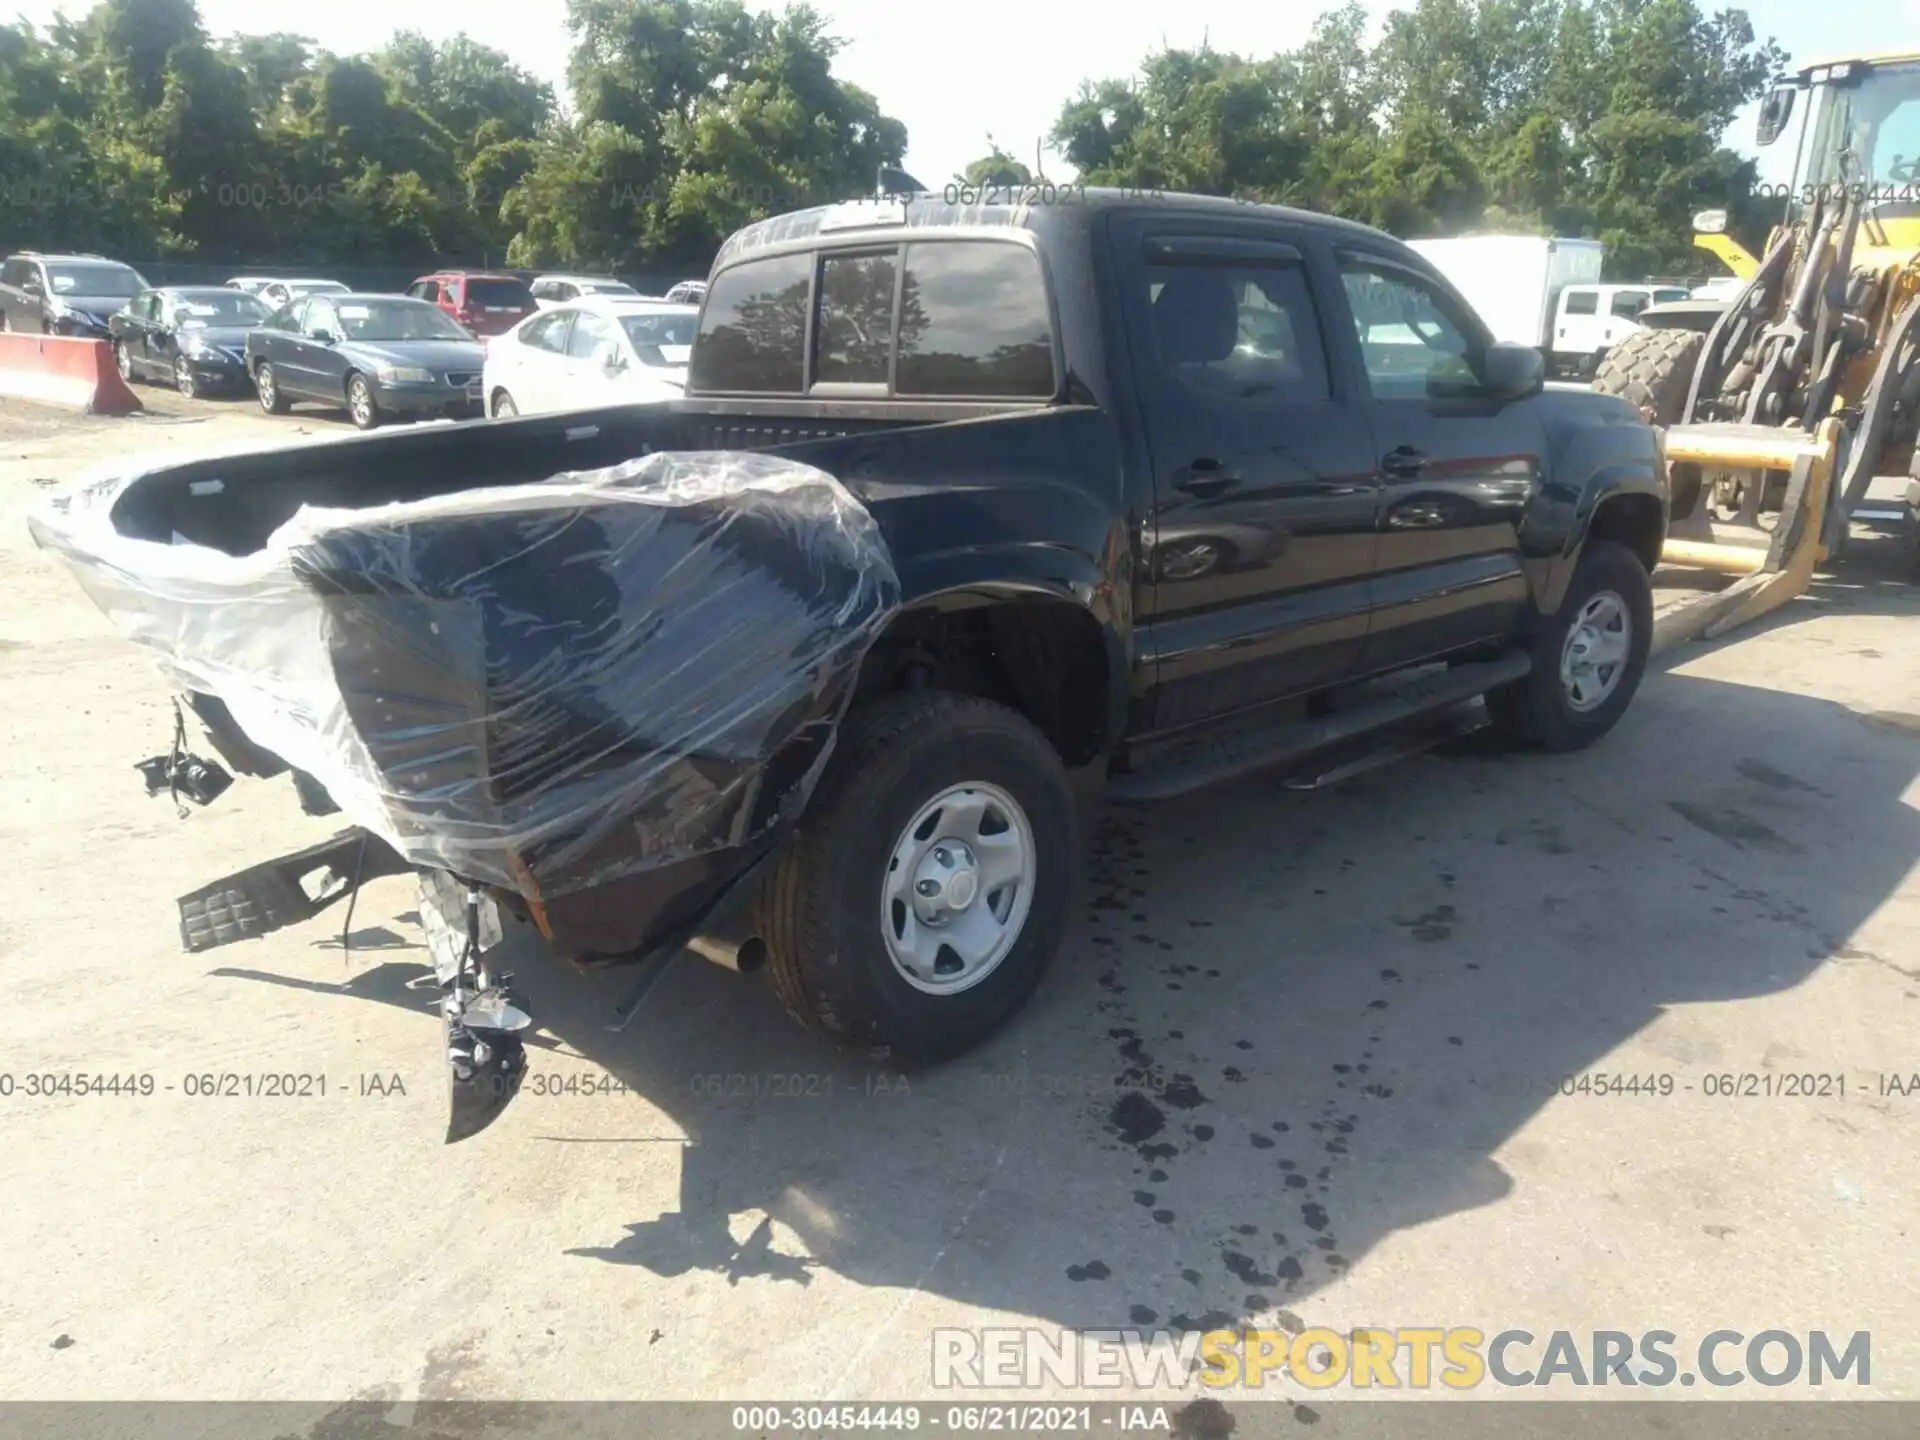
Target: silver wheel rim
x,y
122,361
263,381
958,888
503,406
183,377
1594,657
360,401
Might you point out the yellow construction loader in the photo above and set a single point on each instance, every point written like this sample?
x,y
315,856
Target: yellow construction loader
x,y
1781,406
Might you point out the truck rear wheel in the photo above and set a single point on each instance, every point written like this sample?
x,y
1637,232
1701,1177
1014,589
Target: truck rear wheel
x,y
1588,656
928,885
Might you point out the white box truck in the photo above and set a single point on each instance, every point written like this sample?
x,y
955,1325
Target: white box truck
x,y
1521,286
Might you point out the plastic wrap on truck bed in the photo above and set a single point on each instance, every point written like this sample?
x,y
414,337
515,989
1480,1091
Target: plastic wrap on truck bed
x,y
541,687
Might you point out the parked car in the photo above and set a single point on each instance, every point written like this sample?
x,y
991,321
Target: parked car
x,y
551,290
193,335
687,292
597,351
378,356
485,304
1451,544
252,284
64,294
277,293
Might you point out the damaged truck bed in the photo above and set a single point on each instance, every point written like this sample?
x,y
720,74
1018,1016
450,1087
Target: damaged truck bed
x,y
592,695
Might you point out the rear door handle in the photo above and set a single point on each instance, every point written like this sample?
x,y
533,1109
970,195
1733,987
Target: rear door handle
x,y
1404,461
1205,478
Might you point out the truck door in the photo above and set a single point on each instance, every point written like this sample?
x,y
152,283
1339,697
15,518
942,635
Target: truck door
x,y
1456,470
1261,546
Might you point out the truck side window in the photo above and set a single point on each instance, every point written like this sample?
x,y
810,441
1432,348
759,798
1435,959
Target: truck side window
x,y
1409,337
1583,302
1246,331
855,329
973,322
1629,303
753,331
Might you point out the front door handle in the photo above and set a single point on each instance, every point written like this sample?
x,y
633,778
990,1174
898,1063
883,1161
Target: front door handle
x,y
1205,478
1403,461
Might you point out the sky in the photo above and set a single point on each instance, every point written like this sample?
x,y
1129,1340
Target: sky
x,y
1005,66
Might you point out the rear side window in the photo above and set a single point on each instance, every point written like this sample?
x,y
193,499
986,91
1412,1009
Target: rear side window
x,y
855,328
1629,303
1583,302
1242,331
590,332
549,332
974,322
499,294
753,330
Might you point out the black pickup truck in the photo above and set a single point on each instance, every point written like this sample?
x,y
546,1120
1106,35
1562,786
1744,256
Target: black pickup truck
x,y
1177,489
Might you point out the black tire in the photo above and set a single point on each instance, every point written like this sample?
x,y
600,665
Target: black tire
x,y
503,406
1538,712
821,911
272,399
362,408
1652,370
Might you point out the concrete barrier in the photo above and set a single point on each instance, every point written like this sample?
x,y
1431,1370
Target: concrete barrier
x,y
64,370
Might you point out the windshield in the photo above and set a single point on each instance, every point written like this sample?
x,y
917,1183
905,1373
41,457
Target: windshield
x,y
607,287
318,287
380,320
95,280
197,308
1867,133
660,340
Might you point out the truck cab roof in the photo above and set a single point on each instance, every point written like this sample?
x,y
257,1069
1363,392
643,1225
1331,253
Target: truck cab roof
x,y
1026,207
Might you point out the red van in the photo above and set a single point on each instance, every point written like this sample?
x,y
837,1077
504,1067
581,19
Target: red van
x,y
486,304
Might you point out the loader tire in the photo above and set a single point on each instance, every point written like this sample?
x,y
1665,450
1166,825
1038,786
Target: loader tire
x,y
929,801
1652,370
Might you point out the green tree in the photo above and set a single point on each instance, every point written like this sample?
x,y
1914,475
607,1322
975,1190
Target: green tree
x,y
996,167
466,87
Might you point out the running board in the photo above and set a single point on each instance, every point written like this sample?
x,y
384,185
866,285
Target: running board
x,y
1247,754
1444,728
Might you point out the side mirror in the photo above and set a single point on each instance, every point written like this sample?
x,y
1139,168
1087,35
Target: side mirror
x,y
1775,111
326,337
1710,222
1512,372
32,285
609,357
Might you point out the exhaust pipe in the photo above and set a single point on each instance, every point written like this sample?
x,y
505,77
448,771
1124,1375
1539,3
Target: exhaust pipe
x,y
731,946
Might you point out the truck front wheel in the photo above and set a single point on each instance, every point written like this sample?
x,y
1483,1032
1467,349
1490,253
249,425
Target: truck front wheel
x,y
929,882
1588,656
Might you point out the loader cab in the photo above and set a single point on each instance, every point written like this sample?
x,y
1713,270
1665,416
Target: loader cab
x,y
1859,135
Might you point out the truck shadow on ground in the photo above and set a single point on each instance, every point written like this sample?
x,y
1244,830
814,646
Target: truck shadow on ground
x,y
1285,1026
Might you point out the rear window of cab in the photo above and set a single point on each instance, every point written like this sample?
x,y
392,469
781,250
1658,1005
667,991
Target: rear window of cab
x,y
503,294
935,319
